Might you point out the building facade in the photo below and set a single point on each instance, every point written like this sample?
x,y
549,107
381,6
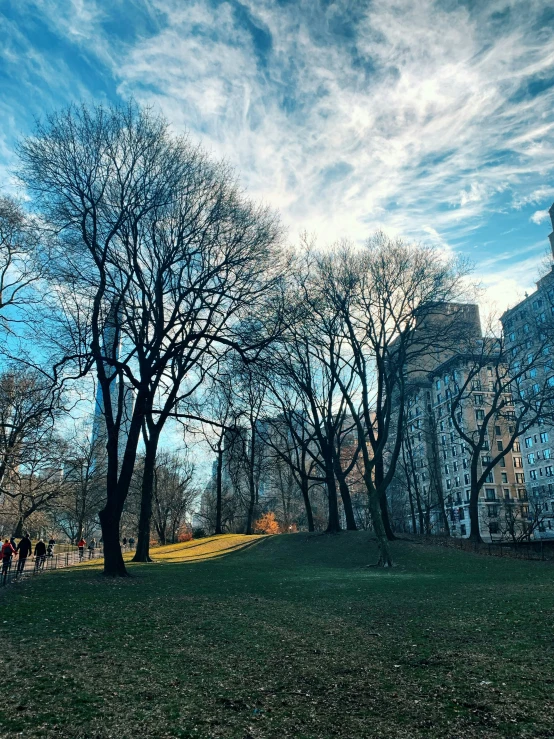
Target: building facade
x,y
528,335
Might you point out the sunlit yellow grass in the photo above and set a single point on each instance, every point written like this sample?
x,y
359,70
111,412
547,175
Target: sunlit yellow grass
x,y
196,550
200,549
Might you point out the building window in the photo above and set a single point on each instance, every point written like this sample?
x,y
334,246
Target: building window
x,y
493,527
466,478
479,414
520,478
529,442
489,477
448,484
533,474
518,462
463,529
490,494
506,494
544,437
546,454
504,477
478,399
549,471
499,446
531,458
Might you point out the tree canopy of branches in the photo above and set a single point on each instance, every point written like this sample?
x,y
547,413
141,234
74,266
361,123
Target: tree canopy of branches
x,y
159,260
387,305
31,453
20,267
516,392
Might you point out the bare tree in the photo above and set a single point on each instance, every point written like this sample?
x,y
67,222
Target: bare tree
x,y
76,511
174,494
389,301
498,387
19,264
160,260
30,451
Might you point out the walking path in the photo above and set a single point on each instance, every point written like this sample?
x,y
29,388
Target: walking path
x,y
36,565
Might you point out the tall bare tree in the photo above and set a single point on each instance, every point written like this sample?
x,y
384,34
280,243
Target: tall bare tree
x,y
160,259
391,304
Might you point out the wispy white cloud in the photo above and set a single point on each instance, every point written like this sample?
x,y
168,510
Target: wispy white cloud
x,y
539,216
421,118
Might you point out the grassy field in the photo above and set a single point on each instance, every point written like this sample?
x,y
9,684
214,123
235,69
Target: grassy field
x,y
291,636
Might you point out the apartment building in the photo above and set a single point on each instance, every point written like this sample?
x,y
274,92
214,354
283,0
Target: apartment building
x,y
434,471
528,333
503,502
419,481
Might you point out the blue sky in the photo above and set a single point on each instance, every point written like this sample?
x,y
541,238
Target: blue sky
x,y
432,120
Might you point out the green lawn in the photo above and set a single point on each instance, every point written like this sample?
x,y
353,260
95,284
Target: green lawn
x,y
294,636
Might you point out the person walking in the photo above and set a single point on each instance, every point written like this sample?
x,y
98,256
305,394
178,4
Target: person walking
x,y
23,550
7,553
51,544
91,548
40,554
81,544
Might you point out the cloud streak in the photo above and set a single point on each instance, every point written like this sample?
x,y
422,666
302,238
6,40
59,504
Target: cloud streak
x,y
431,119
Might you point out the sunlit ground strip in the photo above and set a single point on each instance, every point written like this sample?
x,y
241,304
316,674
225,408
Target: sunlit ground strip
x,y
196,550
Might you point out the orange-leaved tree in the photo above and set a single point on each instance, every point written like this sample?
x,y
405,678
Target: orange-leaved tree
x,y
267,524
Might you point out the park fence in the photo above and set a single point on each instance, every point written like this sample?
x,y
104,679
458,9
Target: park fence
x,y
538,550
32,566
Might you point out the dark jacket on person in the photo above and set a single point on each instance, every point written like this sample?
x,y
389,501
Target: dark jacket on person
x,y
40,549
24,547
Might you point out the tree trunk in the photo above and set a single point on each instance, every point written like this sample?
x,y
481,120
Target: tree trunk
x,y
412,509
251,480
410,492
475,532
218,491
307,505
333,524
385,556
18,533
113,557
344,494
142,553
347,504
379,475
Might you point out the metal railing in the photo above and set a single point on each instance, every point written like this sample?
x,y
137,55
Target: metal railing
x,y
18,569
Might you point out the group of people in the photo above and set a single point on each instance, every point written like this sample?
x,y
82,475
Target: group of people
x,y
10,549
82,545
22,550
